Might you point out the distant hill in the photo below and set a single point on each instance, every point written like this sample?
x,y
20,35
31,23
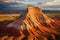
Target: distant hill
x,y
23,11
54,11
12,11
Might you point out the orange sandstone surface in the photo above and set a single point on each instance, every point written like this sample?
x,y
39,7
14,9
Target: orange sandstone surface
x,y
34,25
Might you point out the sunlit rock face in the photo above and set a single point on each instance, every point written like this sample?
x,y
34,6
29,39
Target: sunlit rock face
x,y
34,25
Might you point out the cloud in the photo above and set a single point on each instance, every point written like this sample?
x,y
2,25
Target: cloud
x,y
54,2
26,0
5,0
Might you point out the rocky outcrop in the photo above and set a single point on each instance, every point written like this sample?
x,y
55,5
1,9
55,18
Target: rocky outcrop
x,y
33,25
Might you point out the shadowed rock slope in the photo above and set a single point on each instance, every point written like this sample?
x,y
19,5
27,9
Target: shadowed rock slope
x,y
33,25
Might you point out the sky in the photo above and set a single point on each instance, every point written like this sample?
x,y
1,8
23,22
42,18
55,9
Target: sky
x,y
47,2
33,0
54,2
23,0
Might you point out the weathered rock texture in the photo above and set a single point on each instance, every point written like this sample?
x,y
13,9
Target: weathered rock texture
x,y
33,25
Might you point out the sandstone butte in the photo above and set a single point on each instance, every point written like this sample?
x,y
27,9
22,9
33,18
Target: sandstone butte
x,y
33,25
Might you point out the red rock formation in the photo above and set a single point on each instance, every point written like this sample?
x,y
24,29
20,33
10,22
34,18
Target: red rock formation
x,y
35,26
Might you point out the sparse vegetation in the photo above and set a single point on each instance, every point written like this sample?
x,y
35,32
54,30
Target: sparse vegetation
x,y
12,16
8,16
